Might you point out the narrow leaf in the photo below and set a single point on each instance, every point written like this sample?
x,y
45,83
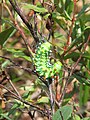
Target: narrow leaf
x,y
83,10
87,118
81,79
43,100
35,8
5,116
75,55
6,34
18,53
72,55
63,113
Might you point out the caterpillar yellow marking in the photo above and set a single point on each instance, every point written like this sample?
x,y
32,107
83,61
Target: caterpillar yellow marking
x,y
42,62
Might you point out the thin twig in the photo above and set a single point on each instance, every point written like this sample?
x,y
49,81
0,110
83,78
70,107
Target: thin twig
x,y
24,19
13,95
2,86
14,88
8,79
51,98
72,70
35,20
84,48
64,90
61,115
20,31
70,31
26,69
65,82
24,38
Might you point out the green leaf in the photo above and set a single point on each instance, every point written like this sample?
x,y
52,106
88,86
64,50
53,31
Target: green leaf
x,y
22,55
75,42
83,10
67,15
57,35
84,89
81,79
64,112
46,16
79,34
43,100
59,19
14,108
35,8
87,118
75,56
26,95
86,55
5,116
56,2
18,53
28,88
84,19
6,34
76,117
59,5
69,5
5,64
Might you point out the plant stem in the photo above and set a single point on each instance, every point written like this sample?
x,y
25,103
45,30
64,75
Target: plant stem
x,y
24,19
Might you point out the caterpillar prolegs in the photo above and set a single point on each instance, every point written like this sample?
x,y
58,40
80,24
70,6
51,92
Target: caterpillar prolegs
x,y
42,61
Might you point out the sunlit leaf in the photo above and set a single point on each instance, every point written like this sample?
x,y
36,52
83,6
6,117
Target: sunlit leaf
x,y
28,88
69,5
43,100
76,117
5,116
18,53
35,8
5,64
26,95
64,112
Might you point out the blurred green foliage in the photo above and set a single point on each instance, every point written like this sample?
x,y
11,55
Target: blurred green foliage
x,y
12,46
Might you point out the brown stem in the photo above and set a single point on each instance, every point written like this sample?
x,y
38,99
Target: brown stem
x,y
24,19
26,69
84,48
71,28
35,20
72,70
65,83
24,38
13,95
14,88
20,30
61,115
57,86
2,86
51,98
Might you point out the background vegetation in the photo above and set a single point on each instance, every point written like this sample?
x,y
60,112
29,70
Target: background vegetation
x,y
24,95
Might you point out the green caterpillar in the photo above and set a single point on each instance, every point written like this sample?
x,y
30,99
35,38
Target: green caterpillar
x,y
42,62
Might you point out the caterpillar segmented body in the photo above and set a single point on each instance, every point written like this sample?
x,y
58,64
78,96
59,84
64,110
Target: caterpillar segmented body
x,y
42,62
